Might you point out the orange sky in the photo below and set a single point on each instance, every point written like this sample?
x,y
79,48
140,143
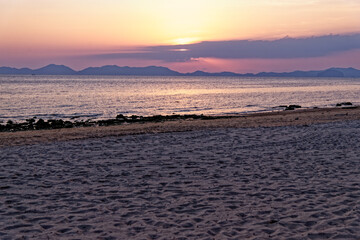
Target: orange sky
x,y
37,32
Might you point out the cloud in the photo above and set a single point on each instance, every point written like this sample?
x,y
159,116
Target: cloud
x,y
286,48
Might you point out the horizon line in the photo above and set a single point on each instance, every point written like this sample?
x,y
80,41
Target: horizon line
x,y
159,66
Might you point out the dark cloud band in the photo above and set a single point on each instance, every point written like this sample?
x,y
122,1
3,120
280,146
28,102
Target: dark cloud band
x,y
285,48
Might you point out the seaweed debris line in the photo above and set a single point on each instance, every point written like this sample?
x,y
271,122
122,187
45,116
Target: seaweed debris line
x,y
40,124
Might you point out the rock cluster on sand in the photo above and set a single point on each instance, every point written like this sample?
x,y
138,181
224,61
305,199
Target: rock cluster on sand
x,y
32,124
292,107
344,104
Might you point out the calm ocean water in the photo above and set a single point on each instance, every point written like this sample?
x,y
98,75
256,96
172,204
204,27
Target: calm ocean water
x,y
102,97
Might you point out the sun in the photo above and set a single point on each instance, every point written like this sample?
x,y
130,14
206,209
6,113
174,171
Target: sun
x,y
184,41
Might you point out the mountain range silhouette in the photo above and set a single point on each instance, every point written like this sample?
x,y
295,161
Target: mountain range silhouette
x,y
53,69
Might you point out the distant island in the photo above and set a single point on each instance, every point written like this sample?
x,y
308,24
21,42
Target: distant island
x,y
114,70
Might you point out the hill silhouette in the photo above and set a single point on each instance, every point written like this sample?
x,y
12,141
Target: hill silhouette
x,y
53,69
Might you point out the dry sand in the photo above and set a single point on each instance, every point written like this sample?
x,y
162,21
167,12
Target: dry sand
x,y
287,182
272,119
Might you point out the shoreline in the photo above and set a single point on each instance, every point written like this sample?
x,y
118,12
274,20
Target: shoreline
x,y
253,120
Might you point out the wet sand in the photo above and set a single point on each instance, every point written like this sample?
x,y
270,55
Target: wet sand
x,y
270,119
213,182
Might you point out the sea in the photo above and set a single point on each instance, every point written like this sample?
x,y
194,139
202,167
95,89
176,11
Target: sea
x,y
104,97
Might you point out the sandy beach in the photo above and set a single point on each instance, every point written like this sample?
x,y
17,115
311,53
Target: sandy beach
x,y
267,119
283,175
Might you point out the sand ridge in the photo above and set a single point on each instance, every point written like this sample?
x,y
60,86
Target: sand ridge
x,y
270,119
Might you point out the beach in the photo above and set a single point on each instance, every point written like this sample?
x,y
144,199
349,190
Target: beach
x,y
279,175
266,119
180,120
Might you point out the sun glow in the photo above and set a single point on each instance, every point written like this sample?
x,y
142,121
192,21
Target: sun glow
x,y
184,41
180,50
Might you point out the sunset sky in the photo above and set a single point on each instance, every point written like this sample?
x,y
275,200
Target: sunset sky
x,y
187,35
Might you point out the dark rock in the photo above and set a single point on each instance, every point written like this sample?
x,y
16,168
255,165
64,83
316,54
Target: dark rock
x,y
344,104
68,124
108,122
121,117
292,107
56,123
134,117
155,118
41,124
30,120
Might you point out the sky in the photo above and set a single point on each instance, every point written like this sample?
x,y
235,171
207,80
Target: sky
x,y
184,35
